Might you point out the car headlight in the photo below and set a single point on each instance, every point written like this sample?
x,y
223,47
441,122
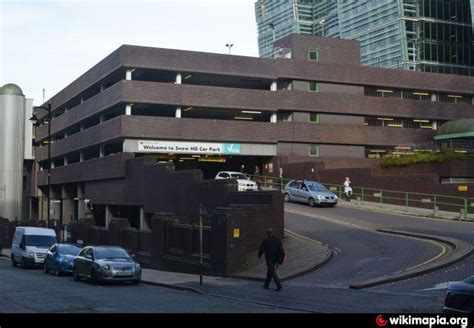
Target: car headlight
x,y
242,184
105,267
335,197
320,197
138,266
31,254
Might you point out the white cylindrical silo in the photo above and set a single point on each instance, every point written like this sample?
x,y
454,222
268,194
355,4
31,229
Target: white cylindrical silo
x,y
12,145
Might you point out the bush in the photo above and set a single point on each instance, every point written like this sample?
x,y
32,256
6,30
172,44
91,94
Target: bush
x,y
423,157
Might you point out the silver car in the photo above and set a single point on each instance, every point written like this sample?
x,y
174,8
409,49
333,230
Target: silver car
x,y
105,263
310,192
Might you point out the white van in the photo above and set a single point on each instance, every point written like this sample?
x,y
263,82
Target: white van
x,y
30,245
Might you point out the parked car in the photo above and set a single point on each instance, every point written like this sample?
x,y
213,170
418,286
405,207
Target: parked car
x,y
106,263
30,245
460,297
310,192
245,184
59,258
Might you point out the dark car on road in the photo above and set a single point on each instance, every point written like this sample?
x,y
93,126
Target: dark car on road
x,y
310,192
460,297
59,258
106,263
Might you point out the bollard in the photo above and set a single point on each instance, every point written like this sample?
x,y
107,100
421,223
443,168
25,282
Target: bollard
x,y
357,201
461,214
435,209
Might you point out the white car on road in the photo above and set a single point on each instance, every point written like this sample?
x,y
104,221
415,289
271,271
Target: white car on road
x,y
245,184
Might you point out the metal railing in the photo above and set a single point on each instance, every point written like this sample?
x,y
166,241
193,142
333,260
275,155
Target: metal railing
x,y
434,202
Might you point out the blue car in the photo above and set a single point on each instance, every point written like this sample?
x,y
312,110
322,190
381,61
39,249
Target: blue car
x,y
460,297
59,258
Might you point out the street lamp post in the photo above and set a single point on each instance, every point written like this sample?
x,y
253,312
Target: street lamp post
x,y
322,22
229,45
34,119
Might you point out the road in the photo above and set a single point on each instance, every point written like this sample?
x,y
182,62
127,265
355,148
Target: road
x,y
365,253
31,291
360,253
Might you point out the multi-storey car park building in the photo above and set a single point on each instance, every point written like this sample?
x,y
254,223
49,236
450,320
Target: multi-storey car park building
x,y
216,112
427,36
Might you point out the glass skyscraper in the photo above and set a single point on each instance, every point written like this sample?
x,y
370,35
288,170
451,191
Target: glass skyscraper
x,y
424,35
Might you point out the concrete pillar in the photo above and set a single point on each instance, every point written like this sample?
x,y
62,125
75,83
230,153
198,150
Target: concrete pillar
x,y
434,97
52,165
102,87
82,128
179,78
128,74
128,109
66,162
435,125
273,118
273,86
81,206
143,224
102,151
81,157
40,205
108,215
67,205
102,119
66,134
178,112
82,99
55,204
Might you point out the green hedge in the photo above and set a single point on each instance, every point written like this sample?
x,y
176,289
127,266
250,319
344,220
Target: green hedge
x,y
423,157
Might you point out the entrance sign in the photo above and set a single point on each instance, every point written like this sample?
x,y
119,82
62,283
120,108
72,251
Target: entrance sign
x,y
219,159
462,188
231,149
179,147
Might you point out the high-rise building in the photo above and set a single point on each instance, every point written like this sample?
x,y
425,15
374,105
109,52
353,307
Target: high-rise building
x,y
428,35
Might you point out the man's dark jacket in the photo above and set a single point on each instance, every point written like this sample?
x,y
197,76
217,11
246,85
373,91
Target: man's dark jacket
x,y
272,248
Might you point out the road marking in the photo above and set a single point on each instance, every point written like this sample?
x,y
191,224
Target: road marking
x,y
324,218
321,217
304,237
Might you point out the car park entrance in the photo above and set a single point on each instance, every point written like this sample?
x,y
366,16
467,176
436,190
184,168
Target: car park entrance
x,y
210,157
211,165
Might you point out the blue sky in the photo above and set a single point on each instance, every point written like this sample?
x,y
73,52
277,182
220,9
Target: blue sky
x,y
48,44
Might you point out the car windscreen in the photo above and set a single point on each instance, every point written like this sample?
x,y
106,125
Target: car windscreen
x,y
105,253
38,240
316,187
469,280
69,250
238,176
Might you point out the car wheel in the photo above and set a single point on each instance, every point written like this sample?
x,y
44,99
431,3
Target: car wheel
x,y
311,202
45,268
287,197
23,263
94,279
57,272
13,262
75,276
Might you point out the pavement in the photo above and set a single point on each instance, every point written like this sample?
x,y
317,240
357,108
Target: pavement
x,y
403,210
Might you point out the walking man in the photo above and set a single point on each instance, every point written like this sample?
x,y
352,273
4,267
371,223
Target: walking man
x,y
273,250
